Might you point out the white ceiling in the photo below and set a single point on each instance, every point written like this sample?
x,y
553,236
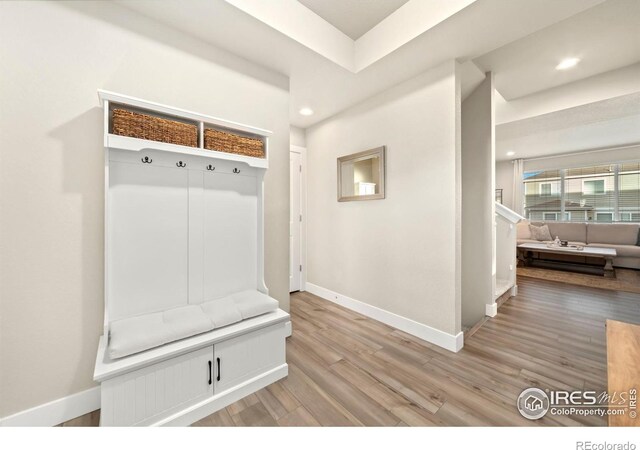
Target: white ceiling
x,y
614,122
328,88
353,17
521,41
605,37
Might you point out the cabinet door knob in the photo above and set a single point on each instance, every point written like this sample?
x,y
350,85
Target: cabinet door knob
x,y
218,361
210,380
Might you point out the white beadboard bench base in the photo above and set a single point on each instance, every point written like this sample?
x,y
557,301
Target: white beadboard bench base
x,y
184,381
217,402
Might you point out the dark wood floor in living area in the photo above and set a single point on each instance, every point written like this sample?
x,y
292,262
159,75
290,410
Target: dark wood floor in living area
x,y
346,369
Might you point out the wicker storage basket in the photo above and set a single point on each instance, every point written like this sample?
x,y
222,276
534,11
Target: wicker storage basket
x,y
232,143
132,124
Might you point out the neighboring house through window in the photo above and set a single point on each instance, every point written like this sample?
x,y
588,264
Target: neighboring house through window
x,y
545,189
603,193
604,217
630,216
593,187
555,216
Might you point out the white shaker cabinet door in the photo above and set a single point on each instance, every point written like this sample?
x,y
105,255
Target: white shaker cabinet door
x,y
147,395
245,357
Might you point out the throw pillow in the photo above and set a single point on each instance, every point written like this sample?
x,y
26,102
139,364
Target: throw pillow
x,y
522,229
540,233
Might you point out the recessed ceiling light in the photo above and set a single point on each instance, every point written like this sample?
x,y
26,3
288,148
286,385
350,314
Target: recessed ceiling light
x,y
511,153
306,111
567,63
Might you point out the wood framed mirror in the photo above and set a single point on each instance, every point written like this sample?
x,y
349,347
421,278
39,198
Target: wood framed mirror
x,y
361,176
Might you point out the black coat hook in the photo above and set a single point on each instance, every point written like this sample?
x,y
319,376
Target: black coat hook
x,y
210,167
146,160
181,164
236,170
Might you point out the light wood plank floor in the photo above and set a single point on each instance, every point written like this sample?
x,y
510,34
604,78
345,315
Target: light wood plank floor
x,y
348,370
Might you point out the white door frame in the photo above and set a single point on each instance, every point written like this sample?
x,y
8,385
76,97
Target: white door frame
x,y
303,211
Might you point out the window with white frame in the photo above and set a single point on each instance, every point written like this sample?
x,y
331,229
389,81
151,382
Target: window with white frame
x,y
604,217
603,193
545,189
555,216
593,187
630,216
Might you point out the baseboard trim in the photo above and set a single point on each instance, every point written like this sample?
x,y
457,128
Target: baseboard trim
x,y
445,340
57,411
491,310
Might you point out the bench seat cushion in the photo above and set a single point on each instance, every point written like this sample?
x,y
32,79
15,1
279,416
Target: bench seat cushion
x,y
222,312
185,321
136,334
254,303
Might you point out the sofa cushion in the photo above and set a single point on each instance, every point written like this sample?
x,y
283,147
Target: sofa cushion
x,y
632,251
540,233
568,231
613,233
522,230
531,241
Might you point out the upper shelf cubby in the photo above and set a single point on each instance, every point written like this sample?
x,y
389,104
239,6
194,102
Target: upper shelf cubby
x,y
196,134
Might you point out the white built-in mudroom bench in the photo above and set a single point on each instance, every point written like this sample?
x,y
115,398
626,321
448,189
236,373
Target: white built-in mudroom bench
x,y
189,326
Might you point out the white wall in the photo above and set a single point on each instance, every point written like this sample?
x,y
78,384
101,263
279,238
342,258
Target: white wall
x,y
582,159
478,211
298,137
54,58
504,181
399,254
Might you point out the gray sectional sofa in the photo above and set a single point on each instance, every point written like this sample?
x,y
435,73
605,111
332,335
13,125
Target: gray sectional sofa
x,y
623,237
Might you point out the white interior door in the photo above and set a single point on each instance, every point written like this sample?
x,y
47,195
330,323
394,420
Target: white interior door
x,y
295,221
